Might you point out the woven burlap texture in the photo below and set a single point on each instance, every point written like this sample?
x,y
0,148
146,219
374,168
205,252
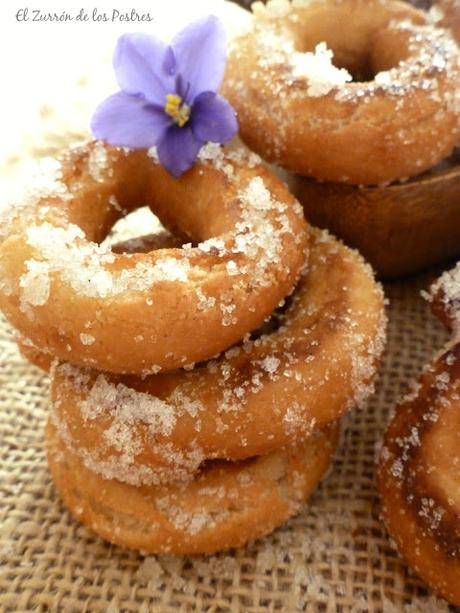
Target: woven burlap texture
x,y
335,556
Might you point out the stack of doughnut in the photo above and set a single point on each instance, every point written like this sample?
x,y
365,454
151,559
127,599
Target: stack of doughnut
x,y
197,376
356,97
419,465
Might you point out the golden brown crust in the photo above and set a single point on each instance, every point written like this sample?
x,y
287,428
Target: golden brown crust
x,y
399,228
138,313
38,358
419,476
225,506
259,396
143,244
368,132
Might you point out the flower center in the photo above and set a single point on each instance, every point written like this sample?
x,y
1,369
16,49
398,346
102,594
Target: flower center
x,y
177,109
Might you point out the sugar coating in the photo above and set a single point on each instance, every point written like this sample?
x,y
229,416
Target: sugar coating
x,y
191,522
35,283
126,408
153,155
258,236
87,339
213,154
433,52
98,163
220,496
447,290
85,266
45,182
318,69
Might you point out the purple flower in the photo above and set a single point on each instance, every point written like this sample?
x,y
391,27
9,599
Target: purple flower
x,y
168,95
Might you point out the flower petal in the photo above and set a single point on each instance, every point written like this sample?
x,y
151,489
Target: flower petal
x,y
128,121
144,65
178,149
213,119
201,51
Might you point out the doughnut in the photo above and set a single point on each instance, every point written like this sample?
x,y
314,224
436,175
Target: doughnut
x,y
398,117
419,477
145,312
225,506
314,361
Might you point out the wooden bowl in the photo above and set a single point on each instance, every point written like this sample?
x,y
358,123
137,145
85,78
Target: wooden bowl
x,y
400,228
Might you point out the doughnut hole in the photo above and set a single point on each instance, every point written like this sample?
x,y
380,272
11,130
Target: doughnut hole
x,y
126,228
362,47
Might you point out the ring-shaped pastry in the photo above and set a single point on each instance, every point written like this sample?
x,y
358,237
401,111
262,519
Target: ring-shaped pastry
x,y
295,108
225,506
419,466
145,312
419,476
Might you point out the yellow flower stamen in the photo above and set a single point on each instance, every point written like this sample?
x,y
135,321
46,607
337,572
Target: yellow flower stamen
x,y
179,111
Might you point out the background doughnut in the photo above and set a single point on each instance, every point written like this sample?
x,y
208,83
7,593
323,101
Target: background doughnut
x,y
398,118
140,313
419,476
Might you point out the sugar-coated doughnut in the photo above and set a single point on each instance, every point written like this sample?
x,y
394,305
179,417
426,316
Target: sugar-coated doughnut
x,y
226,505
146,312
419,476
399,117
419,464
271,391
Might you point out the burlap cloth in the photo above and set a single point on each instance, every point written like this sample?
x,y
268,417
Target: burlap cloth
x,y
335,556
